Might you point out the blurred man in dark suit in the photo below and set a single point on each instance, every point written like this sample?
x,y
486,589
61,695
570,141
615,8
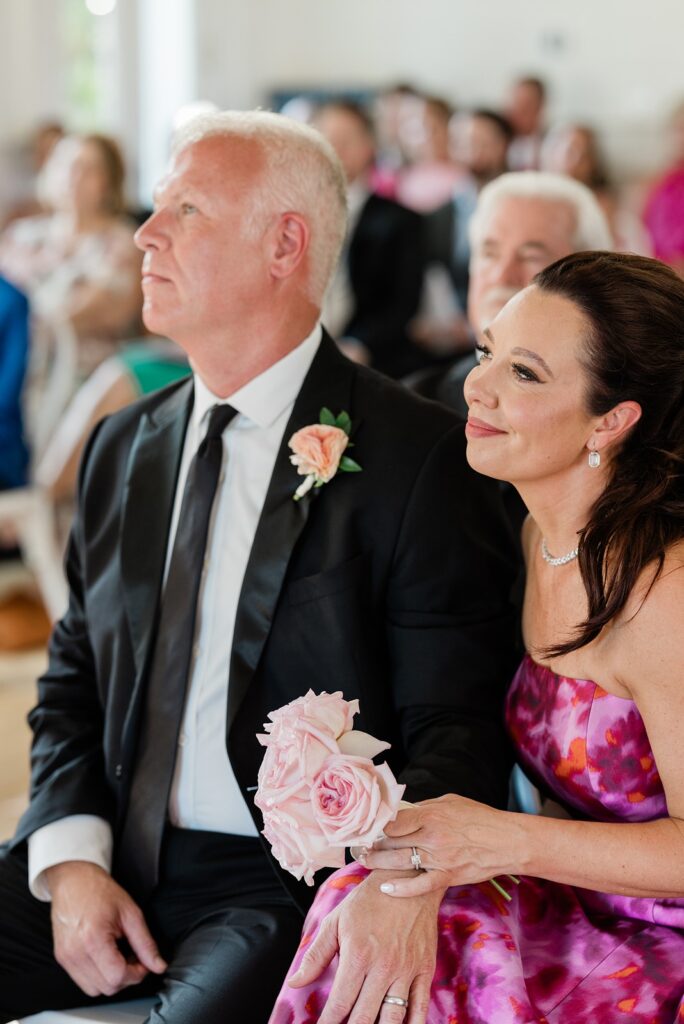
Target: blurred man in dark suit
x,y
376,288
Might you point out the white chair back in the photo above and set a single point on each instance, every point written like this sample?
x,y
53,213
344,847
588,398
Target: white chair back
x,y
51,379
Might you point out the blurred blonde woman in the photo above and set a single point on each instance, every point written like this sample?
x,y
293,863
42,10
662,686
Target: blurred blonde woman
x,y
79,263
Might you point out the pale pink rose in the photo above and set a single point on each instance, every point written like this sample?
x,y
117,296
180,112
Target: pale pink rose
x,y
299,738
353,799
297,842
314,711
317,450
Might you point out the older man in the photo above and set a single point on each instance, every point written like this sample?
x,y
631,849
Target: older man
x,y
203,596
523,221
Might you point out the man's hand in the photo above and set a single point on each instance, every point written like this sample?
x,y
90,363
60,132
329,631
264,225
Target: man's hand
x,y
90,914
386,947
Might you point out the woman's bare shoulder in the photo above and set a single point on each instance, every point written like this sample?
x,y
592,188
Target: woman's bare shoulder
x,y
652,637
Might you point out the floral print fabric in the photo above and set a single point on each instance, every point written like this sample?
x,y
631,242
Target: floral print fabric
x,y
555,953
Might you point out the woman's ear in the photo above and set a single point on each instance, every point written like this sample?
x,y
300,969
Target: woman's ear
x,y
614,425
290,242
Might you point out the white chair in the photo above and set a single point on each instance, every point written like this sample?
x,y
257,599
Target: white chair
x,y
51,381
133,1012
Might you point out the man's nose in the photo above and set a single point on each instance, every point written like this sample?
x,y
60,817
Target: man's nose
x,y
508,272
150,235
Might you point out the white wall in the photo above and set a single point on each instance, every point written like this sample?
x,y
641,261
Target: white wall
x,y
615,63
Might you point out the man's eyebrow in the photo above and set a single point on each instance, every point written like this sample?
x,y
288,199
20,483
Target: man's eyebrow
x,y
537,246
536,358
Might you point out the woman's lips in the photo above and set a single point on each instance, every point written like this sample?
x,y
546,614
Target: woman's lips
x,y
478,428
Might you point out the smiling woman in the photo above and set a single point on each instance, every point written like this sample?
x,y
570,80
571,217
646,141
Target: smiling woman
x,y
587,361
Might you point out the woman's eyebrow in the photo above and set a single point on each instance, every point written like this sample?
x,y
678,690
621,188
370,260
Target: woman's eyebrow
x,y
523,352
536,358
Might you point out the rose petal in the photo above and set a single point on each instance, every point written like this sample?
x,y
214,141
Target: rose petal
x,y
361,744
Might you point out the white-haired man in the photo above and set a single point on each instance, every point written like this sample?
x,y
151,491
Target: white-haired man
x,y
203,597
523,221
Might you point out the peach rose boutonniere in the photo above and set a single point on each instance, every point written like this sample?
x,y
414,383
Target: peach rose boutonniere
x,y
318,451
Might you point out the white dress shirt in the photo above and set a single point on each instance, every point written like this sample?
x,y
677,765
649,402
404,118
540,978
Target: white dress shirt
x,y
204,792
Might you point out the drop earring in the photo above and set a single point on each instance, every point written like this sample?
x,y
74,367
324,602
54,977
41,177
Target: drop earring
x,y
594,458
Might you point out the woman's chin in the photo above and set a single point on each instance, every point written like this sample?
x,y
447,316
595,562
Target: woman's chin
x,y
483,462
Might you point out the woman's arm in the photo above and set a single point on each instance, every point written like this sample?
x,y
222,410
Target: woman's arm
x,y
463,841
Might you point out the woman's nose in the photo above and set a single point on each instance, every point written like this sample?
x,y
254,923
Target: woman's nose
x,y
478,386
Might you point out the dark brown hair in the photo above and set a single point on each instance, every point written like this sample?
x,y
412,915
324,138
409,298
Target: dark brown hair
x,y
633,351
115,169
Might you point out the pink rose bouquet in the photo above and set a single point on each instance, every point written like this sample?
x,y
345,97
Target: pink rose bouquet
x,y
319,789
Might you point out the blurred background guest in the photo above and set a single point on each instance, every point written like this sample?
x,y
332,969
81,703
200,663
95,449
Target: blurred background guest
x,y
480,140
13,359
574,149
431,174
79,262
26,201
523,221
664,209
389,111
525,109
375,290
479,144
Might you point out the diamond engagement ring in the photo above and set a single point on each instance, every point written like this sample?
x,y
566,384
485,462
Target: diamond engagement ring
x,y
395,1001
415,859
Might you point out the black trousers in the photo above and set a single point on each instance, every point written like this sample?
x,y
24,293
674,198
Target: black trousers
x,y
222,921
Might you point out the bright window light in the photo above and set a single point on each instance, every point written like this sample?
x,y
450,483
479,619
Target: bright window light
x,y
100,6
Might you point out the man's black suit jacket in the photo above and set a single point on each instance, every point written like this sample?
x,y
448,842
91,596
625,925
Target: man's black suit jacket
x,y
390,585
385,273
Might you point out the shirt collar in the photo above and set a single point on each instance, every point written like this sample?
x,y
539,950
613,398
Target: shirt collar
x,y
264,398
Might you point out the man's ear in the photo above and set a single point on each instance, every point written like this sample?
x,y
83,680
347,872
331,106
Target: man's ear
x,y
614,426
290,242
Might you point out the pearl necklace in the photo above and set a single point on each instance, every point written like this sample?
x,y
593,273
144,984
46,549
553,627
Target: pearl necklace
x,y
561,560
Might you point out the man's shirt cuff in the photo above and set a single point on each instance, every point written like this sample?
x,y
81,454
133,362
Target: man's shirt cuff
x,y
77,837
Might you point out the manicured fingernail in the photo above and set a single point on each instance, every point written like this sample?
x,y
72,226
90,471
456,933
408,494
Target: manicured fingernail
x,y
387,887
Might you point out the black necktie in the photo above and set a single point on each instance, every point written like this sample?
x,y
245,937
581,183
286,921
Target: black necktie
x,y
141,837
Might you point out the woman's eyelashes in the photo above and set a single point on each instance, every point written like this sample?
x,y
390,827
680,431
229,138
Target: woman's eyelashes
x,y
524,373
520,371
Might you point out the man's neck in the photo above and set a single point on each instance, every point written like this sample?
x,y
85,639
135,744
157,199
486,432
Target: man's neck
x,y
228,363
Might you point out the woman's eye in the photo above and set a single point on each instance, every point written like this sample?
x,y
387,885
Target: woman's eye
x,y
482,353
524,373
188,208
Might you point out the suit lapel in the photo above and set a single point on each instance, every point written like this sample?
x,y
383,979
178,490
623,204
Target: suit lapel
x,y
329,383
148,504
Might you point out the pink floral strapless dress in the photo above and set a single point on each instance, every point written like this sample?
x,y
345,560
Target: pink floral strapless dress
x,y
555,954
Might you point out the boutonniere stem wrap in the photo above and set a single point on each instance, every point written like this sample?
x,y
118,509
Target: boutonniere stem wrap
x,y
318,451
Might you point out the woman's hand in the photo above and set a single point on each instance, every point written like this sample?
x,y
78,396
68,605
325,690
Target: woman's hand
x,y
459,841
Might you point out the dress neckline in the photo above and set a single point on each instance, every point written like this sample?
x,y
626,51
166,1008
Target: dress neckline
x,y
571,679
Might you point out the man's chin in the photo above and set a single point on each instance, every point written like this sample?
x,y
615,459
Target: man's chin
x,y
154,319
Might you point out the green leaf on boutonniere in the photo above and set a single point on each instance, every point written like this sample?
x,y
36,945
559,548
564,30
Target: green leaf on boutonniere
x,y
343,421
327,418
348,465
